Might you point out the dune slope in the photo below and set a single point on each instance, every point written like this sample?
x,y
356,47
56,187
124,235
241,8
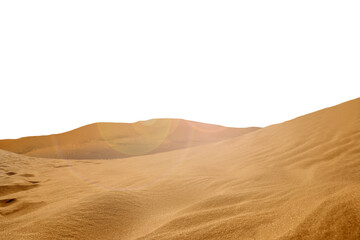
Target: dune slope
x,y
295,180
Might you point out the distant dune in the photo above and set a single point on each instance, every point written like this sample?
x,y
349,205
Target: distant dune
x,y
171,179
119,140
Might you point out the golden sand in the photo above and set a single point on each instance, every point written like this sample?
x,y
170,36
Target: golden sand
x,y
168,179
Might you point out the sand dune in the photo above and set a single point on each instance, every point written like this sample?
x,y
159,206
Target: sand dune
x,y
119,140
296,180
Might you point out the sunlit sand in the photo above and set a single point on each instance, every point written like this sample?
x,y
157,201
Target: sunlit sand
x,y
167,179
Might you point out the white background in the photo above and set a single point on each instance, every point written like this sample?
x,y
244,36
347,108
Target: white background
x,y
64,64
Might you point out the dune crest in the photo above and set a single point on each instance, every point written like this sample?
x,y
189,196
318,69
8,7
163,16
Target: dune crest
x,y
295,180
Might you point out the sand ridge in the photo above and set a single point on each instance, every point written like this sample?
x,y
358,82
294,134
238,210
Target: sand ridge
x,y
120,140
295,180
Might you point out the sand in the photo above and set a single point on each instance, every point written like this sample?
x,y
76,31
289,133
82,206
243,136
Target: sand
x,y
120,140
176,179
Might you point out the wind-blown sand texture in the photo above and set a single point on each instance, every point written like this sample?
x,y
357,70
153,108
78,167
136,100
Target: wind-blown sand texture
x,y
169,179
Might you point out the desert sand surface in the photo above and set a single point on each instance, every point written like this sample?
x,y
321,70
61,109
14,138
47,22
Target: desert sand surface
x,y
169,179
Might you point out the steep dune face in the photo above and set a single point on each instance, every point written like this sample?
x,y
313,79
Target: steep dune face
x,y
295,180
119,140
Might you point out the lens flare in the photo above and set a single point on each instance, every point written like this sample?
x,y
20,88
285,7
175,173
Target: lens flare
x,y
142,138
